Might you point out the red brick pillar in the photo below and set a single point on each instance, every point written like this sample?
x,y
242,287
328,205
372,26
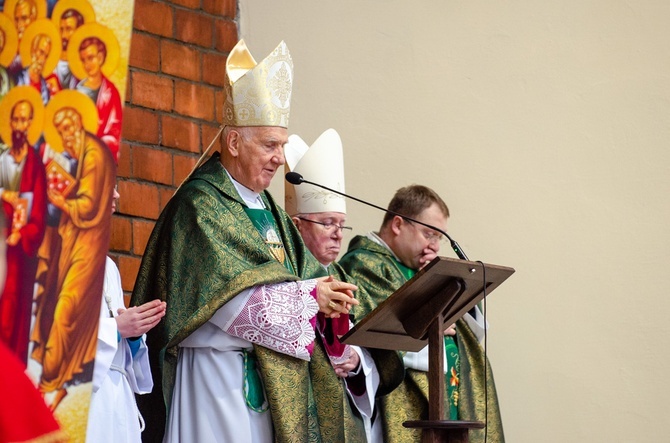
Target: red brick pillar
x,y
172,111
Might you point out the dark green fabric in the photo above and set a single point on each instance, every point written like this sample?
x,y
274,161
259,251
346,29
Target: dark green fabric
x,y
374,268
203,251
253,386
264,222
389,363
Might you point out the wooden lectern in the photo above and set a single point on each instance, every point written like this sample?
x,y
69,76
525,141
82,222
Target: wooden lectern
x,y
415,316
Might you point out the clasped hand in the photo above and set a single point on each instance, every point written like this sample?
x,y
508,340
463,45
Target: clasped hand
x,y
136,321
343,369
334,297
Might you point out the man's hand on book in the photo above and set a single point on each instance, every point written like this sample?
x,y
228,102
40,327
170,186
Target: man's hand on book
x,y
10,197
14,238
56,199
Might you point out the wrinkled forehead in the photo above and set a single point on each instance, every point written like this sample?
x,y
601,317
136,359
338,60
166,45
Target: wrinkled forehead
x,y
267,134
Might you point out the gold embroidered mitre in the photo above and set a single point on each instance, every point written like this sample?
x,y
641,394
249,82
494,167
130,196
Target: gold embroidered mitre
x,y
258,94
321,163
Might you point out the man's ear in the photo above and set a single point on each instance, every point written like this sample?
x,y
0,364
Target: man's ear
x,y
233,143
296,222
395,224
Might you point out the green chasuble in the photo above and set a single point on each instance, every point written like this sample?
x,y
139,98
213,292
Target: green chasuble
x,y
389,363
203,251
374,268
335,402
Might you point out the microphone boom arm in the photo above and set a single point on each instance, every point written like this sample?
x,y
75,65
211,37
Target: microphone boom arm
x,y
296,179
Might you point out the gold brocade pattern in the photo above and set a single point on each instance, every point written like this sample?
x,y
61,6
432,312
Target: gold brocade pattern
x,y
373,268
342,425
286,382
203,251
406,402
471,404
258,94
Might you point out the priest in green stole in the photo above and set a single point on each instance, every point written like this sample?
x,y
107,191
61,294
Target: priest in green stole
x,y
382,262
320,216
232,358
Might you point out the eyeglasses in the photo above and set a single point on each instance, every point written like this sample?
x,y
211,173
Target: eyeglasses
x,y
430,235
329,227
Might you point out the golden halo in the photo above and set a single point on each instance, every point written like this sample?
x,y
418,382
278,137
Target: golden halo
x,y
108,38
40,4
69,98
15,95
81,6
11,40
41,26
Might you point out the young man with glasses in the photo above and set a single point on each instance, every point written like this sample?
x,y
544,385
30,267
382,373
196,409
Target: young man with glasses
x,y
380,263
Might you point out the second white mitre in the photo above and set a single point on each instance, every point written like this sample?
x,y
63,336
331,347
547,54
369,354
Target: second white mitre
x,y
321,163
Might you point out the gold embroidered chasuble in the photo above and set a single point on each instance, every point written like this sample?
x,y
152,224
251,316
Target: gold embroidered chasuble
x,y
374,268
389,366
203,251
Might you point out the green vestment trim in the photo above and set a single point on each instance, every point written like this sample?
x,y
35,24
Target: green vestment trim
x,y
406,272
253,386
267,228
451,352
374,268
203,251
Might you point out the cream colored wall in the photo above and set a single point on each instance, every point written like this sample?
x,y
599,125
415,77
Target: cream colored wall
x,y
546,128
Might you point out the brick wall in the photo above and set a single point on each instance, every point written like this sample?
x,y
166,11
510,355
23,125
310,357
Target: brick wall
x,y
172,112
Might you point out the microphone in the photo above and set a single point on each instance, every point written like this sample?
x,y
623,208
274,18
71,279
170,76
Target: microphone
x,y
295,179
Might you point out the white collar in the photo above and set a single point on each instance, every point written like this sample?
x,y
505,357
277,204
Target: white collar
x,y
251,198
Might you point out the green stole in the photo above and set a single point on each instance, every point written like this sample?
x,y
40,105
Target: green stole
x,y
452,375
266,226
342,425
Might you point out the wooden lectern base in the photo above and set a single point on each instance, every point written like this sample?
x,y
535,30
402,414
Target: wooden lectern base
x,y
438,295
444,431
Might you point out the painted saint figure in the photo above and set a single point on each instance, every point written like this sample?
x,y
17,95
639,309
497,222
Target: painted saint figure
x,y
24,13
8,44
23,190
93,53
68,16
69,351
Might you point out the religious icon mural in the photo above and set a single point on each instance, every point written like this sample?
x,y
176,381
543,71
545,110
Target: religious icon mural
x,y
63,69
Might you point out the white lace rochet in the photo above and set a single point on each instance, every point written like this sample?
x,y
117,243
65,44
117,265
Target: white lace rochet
x,y
278,317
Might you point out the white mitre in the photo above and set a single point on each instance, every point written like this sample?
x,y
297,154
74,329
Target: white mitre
x,y
321,163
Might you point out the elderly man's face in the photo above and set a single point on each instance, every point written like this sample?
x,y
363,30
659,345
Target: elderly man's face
x,y
414,244
40,53
23,16
322,234
259,153
69,130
